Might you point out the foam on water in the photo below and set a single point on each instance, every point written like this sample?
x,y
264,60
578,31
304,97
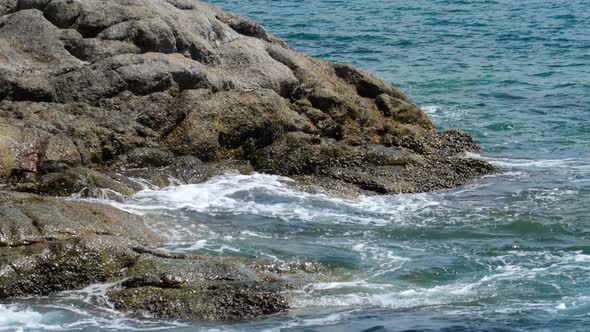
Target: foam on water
x,y
580,163
274,196
84,309
387,272
508,278
393,299
13,318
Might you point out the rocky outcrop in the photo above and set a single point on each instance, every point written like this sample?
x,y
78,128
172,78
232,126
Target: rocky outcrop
x,y
97,93
112,85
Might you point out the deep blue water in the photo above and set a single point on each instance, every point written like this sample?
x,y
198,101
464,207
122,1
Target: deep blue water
x,y
509,252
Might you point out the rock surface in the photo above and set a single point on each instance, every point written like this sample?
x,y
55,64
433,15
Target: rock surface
x,y
96,93
111,85
48,245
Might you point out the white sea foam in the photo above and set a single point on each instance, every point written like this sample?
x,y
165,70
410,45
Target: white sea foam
x,y
200,244
56,317
327,320
254,234
511,273
431,109
145,184
273,196
529,163
75,310
93,295
387,296
13,318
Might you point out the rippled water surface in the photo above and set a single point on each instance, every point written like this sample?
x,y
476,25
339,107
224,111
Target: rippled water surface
x,y
509,252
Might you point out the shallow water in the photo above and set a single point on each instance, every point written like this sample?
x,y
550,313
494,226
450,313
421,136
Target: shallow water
x,y
507,252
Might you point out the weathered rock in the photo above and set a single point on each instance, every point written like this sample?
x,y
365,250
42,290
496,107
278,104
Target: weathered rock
x,y
17,229
49,245
194,288
366,84
145,157
47,268
182,170
59,152
215,300
232,124
19,150
403,111
57,219
137,84
85,183
7,6
177,288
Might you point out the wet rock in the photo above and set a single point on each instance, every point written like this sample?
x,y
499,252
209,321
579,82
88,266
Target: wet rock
x,y
192,170
49,245
187,170
59,152
47,268
57,219
221,300
84,183
193,288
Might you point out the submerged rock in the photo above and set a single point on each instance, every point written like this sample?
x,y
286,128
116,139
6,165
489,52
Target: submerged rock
x,y
48,245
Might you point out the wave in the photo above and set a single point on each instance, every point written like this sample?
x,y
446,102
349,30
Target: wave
x,y
274,196
14,318
576,163
509,277
434,111
82,309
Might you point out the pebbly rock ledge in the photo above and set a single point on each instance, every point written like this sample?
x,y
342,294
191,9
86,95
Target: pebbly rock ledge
x,y
94,93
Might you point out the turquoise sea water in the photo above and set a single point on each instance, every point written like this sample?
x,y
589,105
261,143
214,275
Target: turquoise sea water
x,y
509,252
